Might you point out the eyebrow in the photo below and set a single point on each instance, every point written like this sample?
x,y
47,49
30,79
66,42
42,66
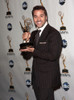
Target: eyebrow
x,y
40,15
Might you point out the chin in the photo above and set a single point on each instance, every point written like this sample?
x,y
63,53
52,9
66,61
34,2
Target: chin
x,y
39,26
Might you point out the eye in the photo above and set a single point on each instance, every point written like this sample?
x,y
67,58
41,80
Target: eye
x,y
35,16
42,15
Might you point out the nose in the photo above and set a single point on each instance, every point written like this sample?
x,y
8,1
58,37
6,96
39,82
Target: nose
x,y
38,19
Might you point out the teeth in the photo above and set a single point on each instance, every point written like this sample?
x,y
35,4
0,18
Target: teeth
x,y
38,22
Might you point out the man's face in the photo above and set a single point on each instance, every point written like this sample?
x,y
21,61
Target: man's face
x,y
39,18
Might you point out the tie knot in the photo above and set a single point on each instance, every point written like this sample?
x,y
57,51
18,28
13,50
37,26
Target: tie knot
x,y
38,31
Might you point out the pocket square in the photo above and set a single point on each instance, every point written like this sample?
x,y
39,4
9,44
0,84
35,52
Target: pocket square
x,y
42,42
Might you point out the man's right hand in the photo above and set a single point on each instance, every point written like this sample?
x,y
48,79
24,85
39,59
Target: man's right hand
x,y
26,36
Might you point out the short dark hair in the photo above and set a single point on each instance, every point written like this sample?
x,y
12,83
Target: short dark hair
x,y
39,7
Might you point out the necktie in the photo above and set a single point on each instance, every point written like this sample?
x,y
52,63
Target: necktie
x,y
37,36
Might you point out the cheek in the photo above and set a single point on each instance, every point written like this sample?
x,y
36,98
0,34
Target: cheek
x,y
35,19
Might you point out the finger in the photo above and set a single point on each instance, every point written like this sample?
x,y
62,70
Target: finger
x,y
26,36
23,50
29,35
23,37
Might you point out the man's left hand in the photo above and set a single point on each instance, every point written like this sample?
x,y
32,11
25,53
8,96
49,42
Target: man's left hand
x,y
28,49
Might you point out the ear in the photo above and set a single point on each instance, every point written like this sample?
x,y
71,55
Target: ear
x,y
46,18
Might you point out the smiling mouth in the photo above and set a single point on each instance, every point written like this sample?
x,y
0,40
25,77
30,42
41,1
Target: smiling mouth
x,y
39,22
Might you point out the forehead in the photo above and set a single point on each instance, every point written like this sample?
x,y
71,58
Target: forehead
x,y
39,12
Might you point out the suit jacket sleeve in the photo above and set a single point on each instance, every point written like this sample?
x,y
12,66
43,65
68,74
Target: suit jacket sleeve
x,y
28,55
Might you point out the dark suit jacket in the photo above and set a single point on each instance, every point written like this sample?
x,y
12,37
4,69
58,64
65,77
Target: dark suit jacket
x,y
45,69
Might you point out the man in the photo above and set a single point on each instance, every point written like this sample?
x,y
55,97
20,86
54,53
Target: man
x,y
46,52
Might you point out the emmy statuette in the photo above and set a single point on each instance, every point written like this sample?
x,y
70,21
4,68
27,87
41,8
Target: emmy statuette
x,y
64,70
62,28
26,28
11,87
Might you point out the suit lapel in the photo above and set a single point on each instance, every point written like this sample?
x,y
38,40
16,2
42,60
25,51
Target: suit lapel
x,y
45,33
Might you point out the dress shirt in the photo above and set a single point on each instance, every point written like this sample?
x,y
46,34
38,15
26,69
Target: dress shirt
x,y
42,28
